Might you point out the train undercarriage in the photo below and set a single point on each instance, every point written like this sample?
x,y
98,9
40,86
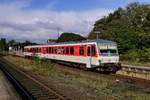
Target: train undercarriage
x,y
109,67
103,68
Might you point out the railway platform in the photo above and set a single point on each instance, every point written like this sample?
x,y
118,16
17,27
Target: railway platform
x,y
7,91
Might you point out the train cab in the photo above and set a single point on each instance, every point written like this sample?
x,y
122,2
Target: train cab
x,y
108,55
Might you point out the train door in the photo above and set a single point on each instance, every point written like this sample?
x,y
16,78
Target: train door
x,y
88,60
44,50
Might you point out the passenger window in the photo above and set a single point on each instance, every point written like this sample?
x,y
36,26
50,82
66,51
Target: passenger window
x,y
52,50
49,49
63,50
67,50
33,49
36,49
55,50
81,50
71,50
89,51
59,50
39,49
93,50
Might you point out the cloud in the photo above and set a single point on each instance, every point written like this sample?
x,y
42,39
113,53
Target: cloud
x,y
16,22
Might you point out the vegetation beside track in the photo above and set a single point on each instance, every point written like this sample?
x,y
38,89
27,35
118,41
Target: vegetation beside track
x,y
136,63
88,87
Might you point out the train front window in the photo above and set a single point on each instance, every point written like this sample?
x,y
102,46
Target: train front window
x,y
108,52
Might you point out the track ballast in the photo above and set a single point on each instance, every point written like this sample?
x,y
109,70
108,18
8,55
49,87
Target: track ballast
x,y
28,87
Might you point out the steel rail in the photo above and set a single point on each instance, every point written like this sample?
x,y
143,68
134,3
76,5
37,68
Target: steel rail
x,y
54,94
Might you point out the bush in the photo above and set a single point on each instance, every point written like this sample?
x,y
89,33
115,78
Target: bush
x,y
137,55
148,53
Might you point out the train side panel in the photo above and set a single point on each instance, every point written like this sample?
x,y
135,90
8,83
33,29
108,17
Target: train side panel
x,y
80,54
98,54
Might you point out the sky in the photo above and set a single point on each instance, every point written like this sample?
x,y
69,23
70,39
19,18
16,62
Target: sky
x,y
38,20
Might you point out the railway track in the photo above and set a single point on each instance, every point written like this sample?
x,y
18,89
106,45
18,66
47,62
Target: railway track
x,y
28,87
115,77
96,75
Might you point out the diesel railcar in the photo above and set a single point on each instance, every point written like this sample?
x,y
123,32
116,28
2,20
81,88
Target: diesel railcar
x,y
100,54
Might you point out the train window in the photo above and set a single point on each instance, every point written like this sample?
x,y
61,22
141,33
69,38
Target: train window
x,y
52,50
63,50
36,49
49,49
59,50
93,50
89,51
71,50
39,49
32,49
55,50
108,52
67,50
81,50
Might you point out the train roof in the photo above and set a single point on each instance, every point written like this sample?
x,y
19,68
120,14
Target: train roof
x,y
100,41
86,41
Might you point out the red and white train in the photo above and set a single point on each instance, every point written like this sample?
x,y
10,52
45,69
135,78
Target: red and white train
x,y
98,54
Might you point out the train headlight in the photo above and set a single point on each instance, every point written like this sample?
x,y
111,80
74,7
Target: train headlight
x,y
99,61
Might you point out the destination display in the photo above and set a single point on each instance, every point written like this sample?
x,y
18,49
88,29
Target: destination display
x,y
104,46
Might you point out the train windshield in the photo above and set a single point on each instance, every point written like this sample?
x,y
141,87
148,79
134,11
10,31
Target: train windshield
x,y
108,49
108,52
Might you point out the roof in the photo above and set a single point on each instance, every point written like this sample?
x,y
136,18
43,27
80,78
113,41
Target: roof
x,y
86,41
101,41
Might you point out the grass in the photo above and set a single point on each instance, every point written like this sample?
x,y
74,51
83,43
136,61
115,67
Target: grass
x,y
101,88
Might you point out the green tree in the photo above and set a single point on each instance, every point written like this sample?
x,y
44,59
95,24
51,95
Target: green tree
x,y
12,43
3,45
65,37
129,27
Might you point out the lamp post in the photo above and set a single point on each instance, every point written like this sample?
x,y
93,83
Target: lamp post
x,y
97,32
57,27
58,30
